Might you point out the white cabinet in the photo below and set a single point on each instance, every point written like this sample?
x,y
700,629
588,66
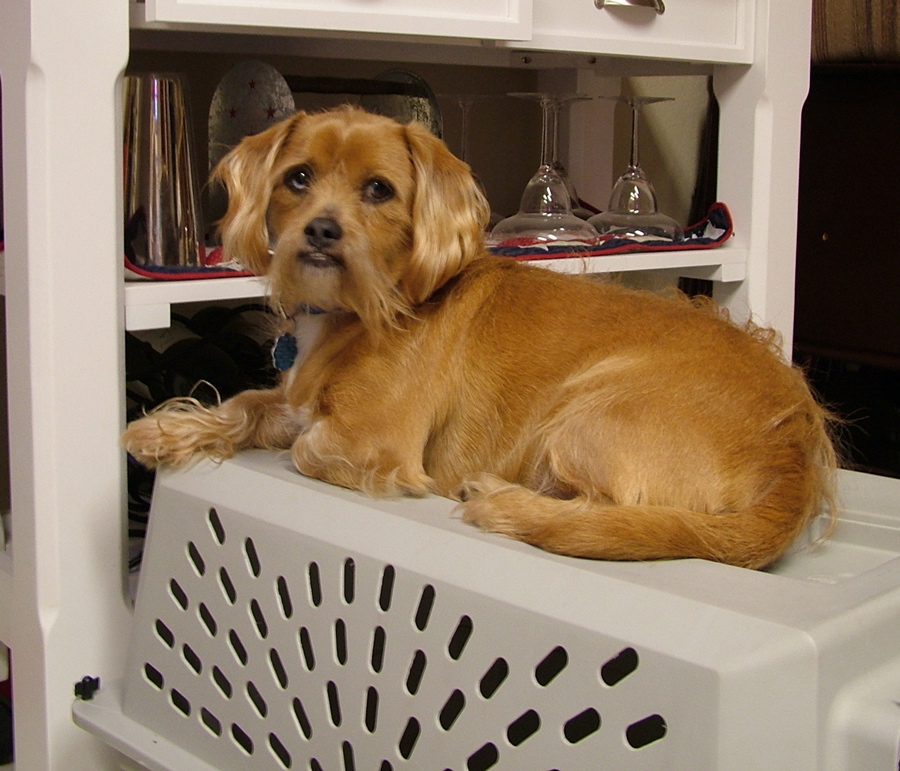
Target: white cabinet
x,y
487,19
62,609
690,30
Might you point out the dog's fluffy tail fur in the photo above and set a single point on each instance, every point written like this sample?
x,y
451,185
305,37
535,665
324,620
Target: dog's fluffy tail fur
x,y
595,527
582,527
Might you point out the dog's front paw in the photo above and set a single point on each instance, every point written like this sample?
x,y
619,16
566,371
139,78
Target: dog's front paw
x,y
143,439
176,435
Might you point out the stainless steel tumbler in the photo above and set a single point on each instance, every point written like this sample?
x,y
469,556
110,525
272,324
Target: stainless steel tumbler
x,y
162,209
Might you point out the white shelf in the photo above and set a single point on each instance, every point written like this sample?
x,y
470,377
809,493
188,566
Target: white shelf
x,y
726,263
148,304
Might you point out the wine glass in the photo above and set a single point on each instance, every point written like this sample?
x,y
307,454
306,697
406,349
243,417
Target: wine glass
x,y
545,212
465,103
557,102
633,212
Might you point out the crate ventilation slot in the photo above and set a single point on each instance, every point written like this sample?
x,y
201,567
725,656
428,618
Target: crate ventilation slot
x,y
312,658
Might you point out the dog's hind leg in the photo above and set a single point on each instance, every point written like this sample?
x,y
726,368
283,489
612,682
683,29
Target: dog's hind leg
x,y
635,469
183,430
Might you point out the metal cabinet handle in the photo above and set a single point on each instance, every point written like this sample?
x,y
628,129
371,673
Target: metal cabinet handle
x,y
658,5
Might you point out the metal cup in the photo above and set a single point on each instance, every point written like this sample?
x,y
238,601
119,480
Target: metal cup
x,y
162,209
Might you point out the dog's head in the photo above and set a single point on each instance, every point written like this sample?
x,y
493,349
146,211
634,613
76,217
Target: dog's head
x,y
348,210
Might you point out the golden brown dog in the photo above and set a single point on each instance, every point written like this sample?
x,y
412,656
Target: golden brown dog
x,y
582,417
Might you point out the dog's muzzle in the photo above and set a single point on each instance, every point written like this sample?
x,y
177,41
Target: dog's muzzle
x,y
320,259
322,235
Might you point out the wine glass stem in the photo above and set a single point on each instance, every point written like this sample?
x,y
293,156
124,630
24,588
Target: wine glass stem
x,y
635,120
550,118
554,133
465,105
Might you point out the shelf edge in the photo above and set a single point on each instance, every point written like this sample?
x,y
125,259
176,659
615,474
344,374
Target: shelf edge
x,y
148,304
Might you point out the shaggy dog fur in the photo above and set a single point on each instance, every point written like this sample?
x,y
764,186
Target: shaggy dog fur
x,y
582,417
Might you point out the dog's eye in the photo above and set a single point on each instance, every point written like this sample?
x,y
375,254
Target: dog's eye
x,y
299,179
378,190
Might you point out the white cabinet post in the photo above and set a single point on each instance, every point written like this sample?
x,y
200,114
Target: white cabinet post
x,y
60,63
759,159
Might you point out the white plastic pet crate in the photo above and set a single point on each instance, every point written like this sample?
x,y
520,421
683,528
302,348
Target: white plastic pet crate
x,y
282,623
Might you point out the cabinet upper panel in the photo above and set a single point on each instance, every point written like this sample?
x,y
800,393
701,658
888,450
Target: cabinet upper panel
x,y
691,30
485,19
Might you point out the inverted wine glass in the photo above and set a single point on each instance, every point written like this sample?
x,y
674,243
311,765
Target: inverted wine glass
x,y
557,103
633,211
545,212
465,102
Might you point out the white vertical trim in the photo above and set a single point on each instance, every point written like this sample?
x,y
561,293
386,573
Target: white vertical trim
x,y
60,63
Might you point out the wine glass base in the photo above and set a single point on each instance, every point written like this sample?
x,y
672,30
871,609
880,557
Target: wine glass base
x,y
543,229
637,227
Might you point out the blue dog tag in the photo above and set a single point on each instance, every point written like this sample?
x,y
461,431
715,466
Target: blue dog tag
x,y
284,353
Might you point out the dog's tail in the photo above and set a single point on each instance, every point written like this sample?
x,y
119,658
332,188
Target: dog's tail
x,y
584,526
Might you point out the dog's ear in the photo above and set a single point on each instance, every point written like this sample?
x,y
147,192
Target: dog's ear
x,y
450,214
246,174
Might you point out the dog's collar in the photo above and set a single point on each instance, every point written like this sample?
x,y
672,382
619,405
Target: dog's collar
x,y
311,310
307,309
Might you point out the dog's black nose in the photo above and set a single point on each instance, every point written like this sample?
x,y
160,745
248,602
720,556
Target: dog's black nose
x,y
323,232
